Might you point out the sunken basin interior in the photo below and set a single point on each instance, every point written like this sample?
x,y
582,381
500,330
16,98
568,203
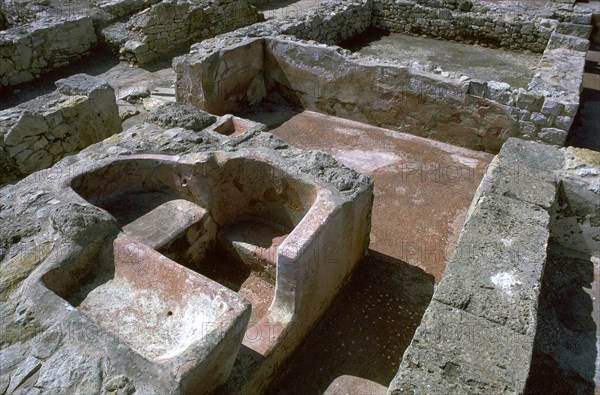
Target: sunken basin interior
x,y
154,305
186,236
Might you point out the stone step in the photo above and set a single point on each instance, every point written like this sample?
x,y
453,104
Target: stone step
x,y
165,223
254,242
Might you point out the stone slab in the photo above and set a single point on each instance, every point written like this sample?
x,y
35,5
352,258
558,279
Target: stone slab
x,y
454,352
497,268
514,174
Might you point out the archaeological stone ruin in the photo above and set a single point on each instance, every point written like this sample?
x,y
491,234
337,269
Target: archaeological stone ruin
x,y
299,197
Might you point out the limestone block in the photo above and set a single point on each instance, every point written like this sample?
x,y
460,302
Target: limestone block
x,y
28,124
456,352
558,40
540,119
38,160
553,135
573,29
529,100
505,239
499,91
552,107
563,122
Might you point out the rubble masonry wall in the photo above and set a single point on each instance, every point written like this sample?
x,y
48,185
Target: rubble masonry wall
x,y
30,50
38,133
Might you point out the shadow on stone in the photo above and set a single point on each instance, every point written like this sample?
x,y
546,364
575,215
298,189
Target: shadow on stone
x,y
99,61
365,331
358,42
565,351
273,111
584,132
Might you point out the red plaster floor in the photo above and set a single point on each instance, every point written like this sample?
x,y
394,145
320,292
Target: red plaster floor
x,y
423,190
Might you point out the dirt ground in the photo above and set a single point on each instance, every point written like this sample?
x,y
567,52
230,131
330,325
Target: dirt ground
x,y
357,346
477,62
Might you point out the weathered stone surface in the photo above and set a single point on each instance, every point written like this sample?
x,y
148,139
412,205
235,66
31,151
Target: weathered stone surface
x,y
133,94
38,133
500,25
558,40
459,353
170,25
573,29
220,79
553,135
578,222
68,353
172,115
477,335
531,155
28,124
525,171
505,239
43,45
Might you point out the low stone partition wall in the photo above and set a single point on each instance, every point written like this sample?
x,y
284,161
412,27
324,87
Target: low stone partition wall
x,y
546,109
36,134
327,22
171,25
121,8
50,35
30,50
228,73
331,22
478,333
517,26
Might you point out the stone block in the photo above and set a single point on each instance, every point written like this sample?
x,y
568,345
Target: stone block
x,y
563,122
499,91
558,40
454,352
540,119
552,107
574,29
82,85
553,135
532,155
518,181
530,101
28,124
498,264
527,129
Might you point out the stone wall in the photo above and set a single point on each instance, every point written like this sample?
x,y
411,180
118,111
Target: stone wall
x,y
471,113
327,22
474,114
546,109
171,25
30,50
331,22
479,332
45,36
121,8
384,94
223,79
465,21
38,133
